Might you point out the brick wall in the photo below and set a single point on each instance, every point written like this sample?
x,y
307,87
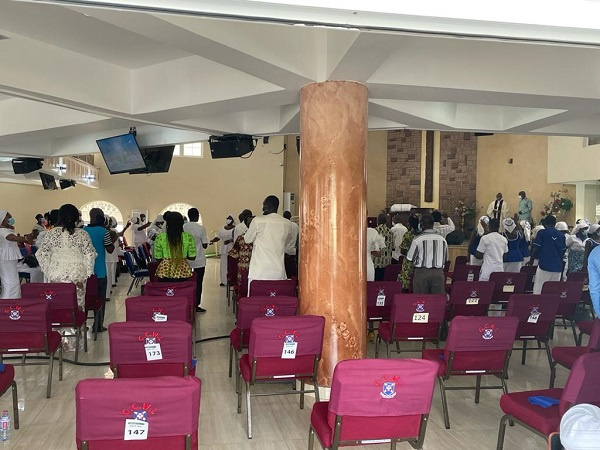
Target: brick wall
x,y
404,167
458,168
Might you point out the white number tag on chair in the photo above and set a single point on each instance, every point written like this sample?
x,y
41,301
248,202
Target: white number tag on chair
x,y
153,352
289,350
160,317
533,317
508,288
473,301
420,318
380,300
135,430
470,277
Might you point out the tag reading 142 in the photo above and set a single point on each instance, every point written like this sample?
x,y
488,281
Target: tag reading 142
x,y
420,318
136,430
380,300
153,352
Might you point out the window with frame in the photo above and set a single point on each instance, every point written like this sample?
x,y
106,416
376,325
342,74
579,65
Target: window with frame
x,y
193,150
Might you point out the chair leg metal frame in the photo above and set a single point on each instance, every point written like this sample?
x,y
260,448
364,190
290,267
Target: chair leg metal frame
x,y
85,445
511,419
50,362
524,349
336,443
424,341
15,402
78,333
477,388
292,378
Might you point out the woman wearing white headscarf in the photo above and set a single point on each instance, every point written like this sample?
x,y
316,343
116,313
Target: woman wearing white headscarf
x,y
225,234
474,241
513,260
10,255
576,245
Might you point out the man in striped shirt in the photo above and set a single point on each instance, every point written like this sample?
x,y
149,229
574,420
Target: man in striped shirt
x,y
428,252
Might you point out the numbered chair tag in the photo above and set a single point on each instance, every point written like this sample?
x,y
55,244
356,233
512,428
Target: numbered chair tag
x,y
586,288
420,318
380,300
160,317
508,288
470,277
473,301
136,430
448,280
533,318
153,352
289,350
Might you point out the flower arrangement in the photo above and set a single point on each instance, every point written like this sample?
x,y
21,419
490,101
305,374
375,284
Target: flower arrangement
x,y
557,205
463,210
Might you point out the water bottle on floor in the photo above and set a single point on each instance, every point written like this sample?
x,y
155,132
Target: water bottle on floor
x,y
4,426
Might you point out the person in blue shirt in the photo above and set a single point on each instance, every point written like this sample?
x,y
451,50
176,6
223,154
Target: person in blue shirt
x,y
593,268
102,243
549,247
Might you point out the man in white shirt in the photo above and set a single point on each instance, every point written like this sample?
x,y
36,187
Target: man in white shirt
x,y
492,248
291,261
139,230
198,264
241,227
272,236
442,230
398,231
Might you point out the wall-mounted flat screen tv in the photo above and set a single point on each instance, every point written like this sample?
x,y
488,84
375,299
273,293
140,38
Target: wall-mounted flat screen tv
x,y
121,154
158,159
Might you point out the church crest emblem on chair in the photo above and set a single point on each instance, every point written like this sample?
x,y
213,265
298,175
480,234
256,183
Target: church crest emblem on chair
x,y
509,281
388,386
170,292
534,309
273,293
474,294
289,337
139,411
270,310
48,295
381,291
563,294
14,312
488,331
155,311
420,305
150,338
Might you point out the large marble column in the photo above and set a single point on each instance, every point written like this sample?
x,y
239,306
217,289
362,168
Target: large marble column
x,y
333,192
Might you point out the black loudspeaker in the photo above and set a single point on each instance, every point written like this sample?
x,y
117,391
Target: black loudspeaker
x,y
26,165
230,145
66,184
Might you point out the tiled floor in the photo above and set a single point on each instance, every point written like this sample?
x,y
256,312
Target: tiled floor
x,y
278,422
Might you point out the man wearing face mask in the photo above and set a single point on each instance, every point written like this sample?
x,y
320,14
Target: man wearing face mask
x,y
272,236
102,243
225,234
525,207
40,224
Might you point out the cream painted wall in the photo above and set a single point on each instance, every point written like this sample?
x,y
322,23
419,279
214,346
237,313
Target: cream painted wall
x,y
528,172
376,171
569,160
216,187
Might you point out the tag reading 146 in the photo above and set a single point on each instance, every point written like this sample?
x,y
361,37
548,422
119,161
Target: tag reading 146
x,y
289,350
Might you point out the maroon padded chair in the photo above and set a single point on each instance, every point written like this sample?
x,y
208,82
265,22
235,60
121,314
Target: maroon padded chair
x,y
585,327
530,280
169,405
414,317
536,315
566,356
380,296
470,298
269,357
152,308
391,271
129,356
475,346
570,294
7,381
274,288
507,284
251,308
181,288
64,311
460,260
374,401
581,387
463,272
582,276
25,328
232,276
92,303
